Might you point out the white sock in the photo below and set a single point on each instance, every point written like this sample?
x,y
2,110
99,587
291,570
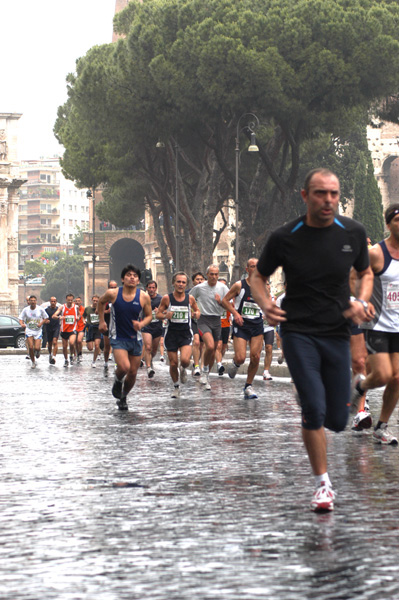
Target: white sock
x,y
324,478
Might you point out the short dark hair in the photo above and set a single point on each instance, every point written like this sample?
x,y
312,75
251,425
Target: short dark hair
x,y
194,275
391,212
32,296
179,273
150,282
321,170
130,268
68,295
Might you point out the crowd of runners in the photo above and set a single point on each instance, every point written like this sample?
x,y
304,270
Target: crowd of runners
x,y
173,323
339,309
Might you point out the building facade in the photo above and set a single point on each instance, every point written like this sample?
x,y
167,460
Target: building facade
x,y
10,182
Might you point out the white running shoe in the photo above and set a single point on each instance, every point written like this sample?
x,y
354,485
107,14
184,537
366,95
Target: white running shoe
x,y
249,393
362,421
281,359
382,435
203,378
232,369
267,376
175,392
162,359
196,372
323,499
93,365
150,372
33,364
183,375
356,392
208,386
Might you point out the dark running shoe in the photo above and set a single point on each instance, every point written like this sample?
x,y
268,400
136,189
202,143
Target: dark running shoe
x,y
122,404
221,370
117,389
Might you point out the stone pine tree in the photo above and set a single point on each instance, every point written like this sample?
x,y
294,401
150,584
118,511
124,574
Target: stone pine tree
x,y
368,207
186,71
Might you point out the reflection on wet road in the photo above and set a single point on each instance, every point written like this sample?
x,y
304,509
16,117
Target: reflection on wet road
x,y
202,497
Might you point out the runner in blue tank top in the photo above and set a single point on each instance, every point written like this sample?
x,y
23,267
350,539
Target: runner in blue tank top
x,y
128,305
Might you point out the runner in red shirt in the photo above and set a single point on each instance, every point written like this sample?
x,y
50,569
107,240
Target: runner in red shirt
x,y
69,315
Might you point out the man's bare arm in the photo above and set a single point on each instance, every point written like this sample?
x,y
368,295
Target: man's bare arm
x,y
272,312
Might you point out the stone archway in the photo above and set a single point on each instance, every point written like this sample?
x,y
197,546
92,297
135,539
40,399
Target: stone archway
x,y
383,143
122,252
390,176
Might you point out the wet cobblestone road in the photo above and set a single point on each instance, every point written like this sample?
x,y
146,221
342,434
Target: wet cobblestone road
x,y
203,497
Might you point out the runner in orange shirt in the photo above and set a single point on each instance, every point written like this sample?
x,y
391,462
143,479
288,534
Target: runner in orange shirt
x,y
80,329
69,315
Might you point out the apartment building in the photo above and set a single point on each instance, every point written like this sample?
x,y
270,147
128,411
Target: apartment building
x,y
51,209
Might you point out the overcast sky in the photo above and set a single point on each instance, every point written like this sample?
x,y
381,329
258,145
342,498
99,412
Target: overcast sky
x,y
40,41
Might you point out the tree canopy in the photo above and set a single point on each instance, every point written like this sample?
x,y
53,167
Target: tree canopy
x,y
67,275
186,73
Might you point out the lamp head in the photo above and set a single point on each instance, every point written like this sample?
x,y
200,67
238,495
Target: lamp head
x,y
253,146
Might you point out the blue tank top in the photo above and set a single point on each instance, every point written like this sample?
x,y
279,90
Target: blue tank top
x,y
122,315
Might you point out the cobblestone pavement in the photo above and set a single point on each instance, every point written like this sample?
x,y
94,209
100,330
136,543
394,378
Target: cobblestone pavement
x,y
198,498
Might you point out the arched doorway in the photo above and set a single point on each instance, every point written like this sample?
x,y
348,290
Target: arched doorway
x,y
123,252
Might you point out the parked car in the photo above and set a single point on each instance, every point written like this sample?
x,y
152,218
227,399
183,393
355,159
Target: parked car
x,y
11,332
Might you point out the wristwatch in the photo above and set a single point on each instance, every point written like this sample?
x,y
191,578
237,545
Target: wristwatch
x,y
363,303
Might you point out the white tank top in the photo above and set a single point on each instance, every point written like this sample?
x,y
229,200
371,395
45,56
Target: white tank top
x,y
385,296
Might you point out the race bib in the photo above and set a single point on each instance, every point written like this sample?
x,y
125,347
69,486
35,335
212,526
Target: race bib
x,y
393,296
224,315
94,319
34,324
180,314
154,319
250,310
69,320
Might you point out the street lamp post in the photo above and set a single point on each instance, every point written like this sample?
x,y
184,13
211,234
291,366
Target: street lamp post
x,y
89,194
251,126
177,208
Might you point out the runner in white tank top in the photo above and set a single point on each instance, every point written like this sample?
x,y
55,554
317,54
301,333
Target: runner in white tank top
x,y
382,333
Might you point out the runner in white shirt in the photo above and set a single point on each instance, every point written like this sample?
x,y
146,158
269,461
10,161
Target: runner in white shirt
x,y
33,318
209,296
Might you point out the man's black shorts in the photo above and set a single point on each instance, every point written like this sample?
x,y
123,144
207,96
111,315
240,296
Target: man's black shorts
x,y
65,335
381,341
174,340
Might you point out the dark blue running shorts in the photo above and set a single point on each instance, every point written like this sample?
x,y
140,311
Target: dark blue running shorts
x,y
320,369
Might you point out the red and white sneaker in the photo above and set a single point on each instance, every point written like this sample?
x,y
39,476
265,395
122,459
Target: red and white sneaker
x,y
362,421
323,498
